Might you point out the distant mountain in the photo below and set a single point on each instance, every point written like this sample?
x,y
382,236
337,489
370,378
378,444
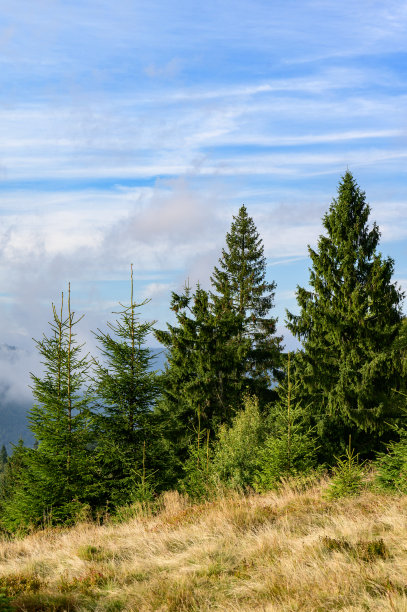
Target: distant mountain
x,y
14,424
160,358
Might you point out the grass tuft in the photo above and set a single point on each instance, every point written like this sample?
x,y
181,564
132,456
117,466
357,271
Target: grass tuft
x,y
366,550
47,603
93,553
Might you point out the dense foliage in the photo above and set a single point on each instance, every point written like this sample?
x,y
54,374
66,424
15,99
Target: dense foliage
x,y
230,409
348,322
126,388
240,285
55,479
204,378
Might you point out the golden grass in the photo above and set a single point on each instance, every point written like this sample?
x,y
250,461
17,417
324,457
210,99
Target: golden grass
x,y
286,551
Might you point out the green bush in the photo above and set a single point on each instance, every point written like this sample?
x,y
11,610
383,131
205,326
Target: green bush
x,y
290,447
197,480
5,602
237,451
347,475
392,465
281,458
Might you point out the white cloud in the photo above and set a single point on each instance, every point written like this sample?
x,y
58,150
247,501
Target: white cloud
x,y
167,70
154,290
310,139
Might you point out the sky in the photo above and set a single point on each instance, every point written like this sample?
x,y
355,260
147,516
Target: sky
x,y
132,132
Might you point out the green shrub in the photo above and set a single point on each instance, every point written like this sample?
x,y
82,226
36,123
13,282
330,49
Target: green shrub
x,y
290,447
336,544
371,550
14,584
197,481
392,465
236,453
281,458
87,583
5,602
115,605
347,475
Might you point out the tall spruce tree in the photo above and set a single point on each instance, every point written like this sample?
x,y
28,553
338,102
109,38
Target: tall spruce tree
x,y
204,376
348,321
56,479
127,387
240,281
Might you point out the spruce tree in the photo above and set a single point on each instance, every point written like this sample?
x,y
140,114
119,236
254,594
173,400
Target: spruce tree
x,y
57,478
348,321
240,281
127,388
204,377
289,448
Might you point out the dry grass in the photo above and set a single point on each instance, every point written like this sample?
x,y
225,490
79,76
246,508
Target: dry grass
x,y
291,551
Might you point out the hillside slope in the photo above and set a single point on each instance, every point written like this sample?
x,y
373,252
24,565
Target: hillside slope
x,y
286,551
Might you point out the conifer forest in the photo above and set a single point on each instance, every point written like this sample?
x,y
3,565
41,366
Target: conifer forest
x,y
232,409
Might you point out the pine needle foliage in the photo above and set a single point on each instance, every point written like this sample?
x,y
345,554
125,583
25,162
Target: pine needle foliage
x,y
62,413
347,475
240,281
236,457
197,481
349,318
204,378
11,483
126,387
56,478
222,345
290,446
391,465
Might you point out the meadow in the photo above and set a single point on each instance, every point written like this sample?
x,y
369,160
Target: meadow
x,y
289,550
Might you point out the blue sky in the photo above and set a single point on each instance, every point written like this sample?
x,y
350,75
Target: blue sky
x,y
132,131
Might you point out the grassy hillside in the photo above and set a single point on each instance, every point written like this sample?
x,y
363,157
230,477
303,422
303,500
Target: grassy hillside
x,y
281,551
